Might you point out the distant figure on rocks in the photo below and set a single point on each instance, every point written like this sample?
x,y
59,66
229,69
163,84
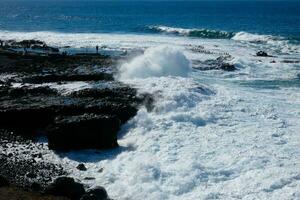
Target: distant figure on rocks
x,y
1,43
97,49
25,51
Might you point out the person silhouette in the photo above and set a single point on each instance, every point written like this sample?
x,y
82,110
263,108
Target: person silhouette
x,y
97,49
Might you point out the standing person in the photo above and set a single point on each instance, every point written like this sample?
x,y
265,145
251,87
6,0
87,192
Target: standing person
x,y
97,49
25,51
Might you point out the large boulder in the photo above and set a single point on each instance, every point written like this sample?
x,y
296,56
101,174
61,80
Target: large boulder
x,y
81,167
97,193
50,78
66,187
83,131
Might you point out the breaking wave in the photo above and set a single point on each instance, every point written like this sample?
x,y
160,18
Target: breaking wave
x,y
201,33
256,38
241,36
156,62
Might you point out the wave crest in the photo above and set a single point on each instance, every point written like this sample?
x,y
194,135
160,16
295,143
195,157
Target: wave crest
x,y
255,38
201,33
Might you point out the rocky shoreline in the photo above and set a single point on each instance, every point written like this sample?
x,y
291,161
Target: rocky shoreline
x,y
37,102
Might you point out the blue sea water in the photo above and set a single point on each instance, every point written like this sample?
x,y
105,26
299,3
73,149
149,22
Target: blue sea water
x,y
281,18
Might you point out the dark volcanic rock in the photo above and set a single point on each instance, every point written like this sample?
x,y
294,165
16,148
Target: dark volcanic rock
x,y
35,187
66,186
262,54
16,193
34,63
121,102
22,91
227,67
20,168
26,119
89,118
84,131
97,193
28,43
3,182
30,110
221,63
48,78
81,167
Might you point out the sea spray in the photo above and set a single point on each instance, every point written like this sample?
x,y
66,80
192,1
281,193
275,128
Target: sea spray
x,y
156,62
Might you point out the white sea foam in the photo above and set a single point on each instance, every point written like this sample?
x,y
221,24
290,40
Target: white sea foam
x,y
157,62
275,42
225,142
249,37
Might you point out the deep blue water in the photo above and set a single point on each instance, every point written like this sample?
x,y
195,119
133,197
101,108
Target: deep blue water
x,y
275,18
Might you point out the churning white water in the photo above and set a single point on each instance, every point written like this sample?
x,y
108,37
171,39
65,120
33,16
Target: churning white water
x,y
212,134
156,62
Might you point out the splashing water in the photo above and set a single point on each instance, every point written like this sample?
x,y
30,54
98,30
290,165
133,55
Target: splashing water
x,y
156,62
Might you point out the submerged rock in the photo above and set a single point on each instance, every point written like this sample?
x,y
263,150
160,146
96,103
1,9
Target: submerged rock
x,y
262,54
221,63
227,67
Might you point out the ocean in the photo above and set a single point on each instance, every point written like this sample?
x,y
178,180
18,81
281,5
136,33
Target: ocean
x,y
212,134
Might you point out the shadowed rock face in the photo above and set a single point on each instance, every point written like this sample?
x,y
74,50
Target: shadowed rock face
x,y
3,182
87,119
84,131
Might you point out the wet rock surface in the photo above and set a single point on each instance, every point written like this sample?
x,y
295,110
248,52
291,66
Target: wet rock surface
x,y
35,102
81,167
97,193
67,187
221,63
262,54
